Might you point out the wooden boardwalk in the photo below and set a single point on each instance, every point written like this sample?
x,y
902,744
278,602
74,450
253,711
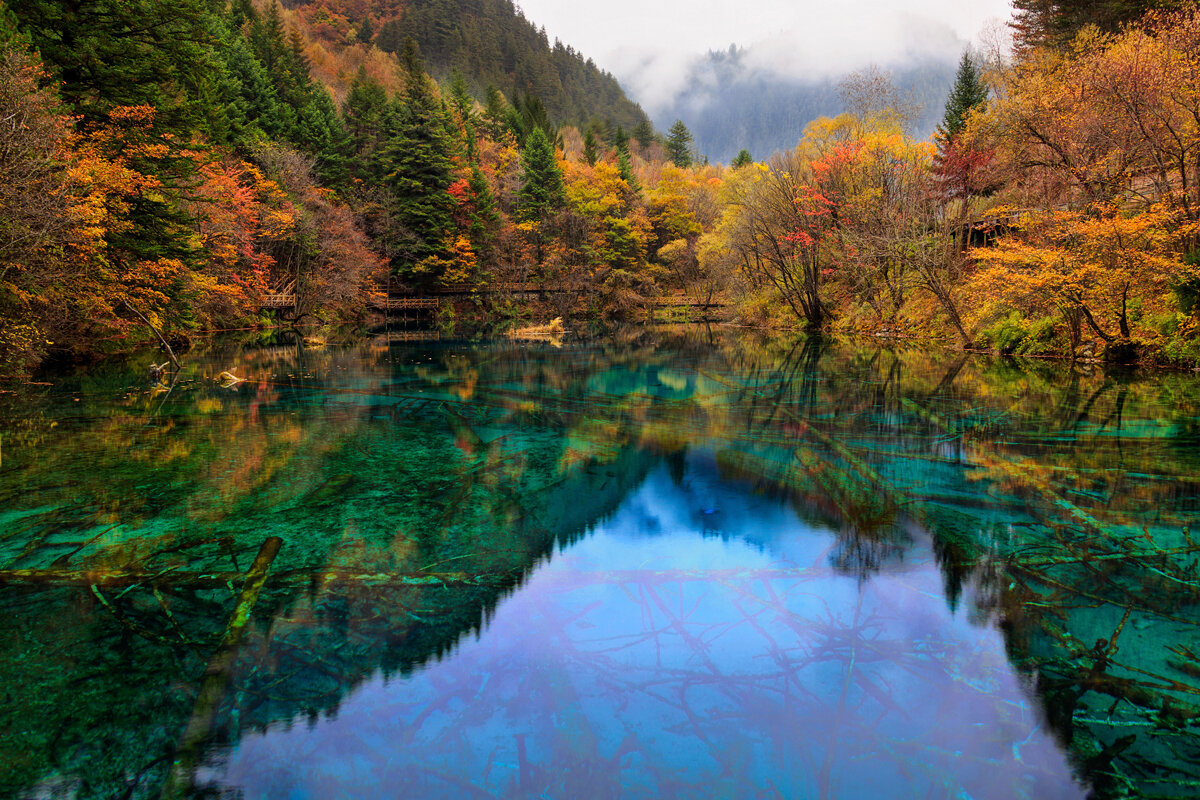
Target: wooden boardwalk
x,y
432,301
407,303
679,301
278,301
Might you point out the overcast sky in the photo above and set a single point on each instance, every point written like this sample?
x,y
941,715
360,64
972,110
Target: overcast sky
x,y
647,44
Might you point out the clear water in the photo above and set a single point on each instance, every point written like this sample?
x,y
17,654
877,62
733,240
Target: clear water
x,y
660,563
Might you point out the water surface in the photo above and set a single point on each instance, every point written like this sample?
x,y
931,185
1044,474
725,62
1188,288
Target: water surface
x,y
682,563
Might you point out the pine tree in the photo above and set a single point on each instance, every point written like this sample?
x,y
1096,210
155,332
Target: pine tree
x,y
679,144
742,159
320,132
541,192
625,161
484,216
625,169
295,83
363,115
526,114
240,12
957,167
970,93
1032,22
621,140
463,106
108,53
495,113
255,100
266,37
1039,23
365,31
590,146
10,34
643,132
418,170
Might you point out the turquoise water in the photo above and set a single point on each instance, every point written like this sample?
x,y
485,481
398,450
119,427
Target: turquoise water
x,y
657,563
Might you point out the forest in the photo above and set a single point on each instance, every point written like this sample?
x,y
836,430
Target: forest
x,y
169,166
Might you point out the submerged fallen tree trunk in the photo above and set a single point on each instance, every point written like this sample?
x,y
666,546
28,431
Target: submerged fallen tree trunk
x,y
116,578
217,675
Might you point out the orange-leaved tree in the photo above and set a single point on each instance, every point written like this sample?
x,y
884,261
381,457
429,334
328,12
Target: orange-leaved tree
x,y
1097,268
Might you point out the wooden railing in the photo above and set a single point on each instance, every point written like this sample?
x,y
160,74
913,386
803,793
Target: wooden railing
x,y
424,303
406,303
278,301
689,302
498,288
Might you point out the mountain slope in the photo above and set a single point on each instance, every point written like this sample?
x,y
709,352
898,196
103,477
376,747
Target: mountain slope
x,y
489,42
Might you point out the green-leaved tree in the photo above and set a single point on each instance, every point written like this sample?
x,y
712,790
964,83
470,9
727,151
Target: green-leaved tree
x,y
679,144
541,192
419,171
969,94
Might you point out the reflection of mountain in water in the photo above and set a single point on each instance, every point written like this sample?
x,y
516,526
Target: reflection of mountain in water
x,y
381,467
655,659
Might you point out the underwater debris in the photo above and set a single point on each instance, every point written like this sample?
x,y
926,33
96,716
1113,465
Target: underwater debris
x,y
228,380
552,331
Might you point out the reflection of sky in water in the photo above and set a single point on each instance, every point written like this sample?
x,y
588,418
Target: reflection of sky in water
x,y
651,660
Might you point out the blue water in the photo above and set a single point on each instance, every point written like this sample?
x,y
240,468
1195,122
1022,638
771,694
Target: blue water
x,y
699,643
657,563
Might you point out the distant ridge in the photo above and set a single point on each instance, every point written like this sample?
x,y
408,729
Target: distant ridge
x,y
490,42
728,105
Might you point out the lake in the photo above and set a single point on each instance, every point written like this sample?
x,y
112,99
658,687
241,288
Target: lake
x,y
656,562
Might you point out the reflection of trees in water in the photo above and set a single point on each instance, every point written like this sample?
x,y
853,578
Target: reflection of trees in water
x,y
1081,544
826,677
1057,494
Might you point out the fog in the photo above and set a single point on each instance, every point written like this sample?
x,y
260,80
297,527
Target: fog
x,y
652,46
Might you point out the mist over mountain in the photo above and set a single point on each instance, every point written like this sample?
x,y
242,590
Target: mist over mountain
x,y
731,100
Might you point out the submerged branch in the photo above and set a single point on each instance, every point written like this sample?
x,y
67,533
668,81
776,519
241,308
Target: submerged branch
x,y
152,327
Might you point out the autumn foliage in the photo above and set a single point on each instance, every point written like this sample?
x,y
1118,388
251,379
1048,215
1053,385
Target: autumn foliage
x,y
282,153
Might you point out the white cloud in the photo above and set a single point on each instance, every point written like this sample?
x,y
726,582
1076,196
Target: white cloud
x,y
650,45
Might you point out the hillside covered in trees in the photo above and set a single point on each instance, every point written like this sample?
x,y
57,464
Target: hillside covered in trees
x,y
488,42
175,163
171,166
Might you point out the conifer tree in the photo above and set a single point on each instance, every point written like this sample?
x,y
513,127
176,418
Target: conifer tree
x,y
526,114
365,31
969,94
625,161
320,132
1053,23
363,115
679,144
10,34
625,169
240,12
463,106
643,132
742,159
418,170
484,216
590,147
266,37
256,99
495,113
541,192
621,140
109,53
